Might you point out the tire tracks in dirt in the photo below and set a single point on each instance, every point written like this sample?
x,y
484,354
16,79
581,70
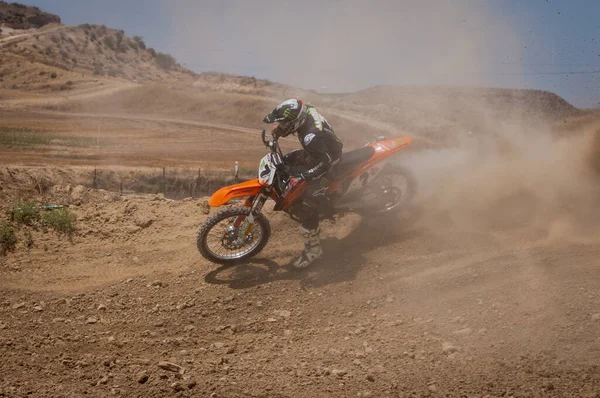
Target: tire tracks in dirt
x,y
11,39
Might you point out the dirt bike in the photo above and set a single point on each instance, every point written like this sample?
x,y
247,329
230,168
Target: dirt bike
x,y
364,181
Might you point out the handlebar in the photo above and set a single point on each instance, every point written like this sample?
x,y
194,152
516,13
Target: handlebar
x,y
264,138
272,145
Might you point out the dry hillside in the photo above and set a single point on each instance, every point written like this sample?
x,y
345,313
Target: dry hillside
x,y
58,57
21,16
99,70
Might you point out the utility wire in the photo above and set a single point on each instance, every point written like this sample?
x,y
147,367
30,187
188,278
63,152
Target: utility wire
x,y
585,72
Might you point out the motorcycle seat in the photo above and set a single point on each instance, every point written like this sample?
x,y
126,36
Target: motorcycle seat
x,y
351,159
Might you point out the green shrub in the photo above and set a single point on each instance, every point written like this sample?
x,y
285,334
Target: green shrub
x,y
26,213
140,42
109,42
61,220
8,238
165,61
98,70
53,75
119,35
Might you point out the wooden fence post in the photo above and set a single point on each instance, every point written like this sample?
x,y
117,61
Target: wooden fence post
x,y
95,181
164,181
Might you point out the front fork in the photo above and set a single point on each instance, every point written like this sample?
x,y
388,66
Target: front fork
x,y
245,224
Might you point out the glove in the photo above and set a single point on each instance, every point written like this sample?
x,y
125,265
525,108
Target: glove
x,y
293,182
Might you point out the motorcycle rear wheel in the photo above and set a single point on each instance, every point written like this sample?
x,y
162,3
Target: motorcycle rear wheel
x,y
400,186
218,240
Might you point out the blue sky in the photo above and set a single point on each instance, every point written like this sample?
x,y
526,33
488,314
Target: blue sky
x,y
343,45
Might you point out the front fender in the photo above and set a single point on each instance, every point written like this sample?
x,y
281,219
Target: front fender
x,y
225,194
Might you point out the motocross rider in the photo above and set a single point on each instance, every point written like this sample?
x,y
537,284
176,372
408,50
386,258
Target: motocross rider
x,y
321,151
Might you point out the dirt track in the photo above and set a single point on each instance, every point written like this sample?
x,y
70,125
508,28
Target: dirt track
x,y
404,310
491,289
35,32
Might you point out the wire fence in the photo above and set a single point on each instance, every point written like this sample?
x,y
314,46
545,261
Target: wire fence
x,y
174,183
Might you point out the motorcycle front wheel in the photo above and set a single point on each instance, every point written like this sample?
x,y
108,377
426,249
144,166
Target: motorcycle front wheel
x,y
219,238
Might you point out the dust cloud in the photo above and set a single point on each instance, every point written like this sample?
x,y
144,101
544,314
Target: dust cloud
x,y
508,173
525,179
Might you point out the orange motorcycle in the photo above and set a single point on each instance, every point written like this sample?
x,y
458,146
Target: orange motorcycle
x,y
366,181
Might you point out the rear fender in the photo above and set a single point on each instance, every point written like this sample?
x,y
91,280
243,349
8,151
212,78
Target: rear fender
x,y
386,148
244,189
383,150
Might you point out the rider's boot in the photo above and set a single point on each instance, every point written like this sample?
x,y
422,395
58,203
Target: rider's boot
x,y
312,248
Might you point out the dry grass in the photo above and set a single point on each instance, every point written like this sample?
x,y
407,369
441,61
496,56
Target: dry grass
x,y
11,137
26,213
62,221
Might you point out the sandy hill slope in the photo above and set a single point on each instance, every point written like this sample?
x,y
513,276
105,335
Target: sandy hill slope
x,y
434,116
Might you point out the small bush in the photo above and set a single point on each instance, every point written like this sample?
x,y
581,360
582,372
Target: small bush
x,y
26,213
165,61
152,52
98,70
53,75
8,238
93,36
28,239
61,220
140,42
109,42
120,35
